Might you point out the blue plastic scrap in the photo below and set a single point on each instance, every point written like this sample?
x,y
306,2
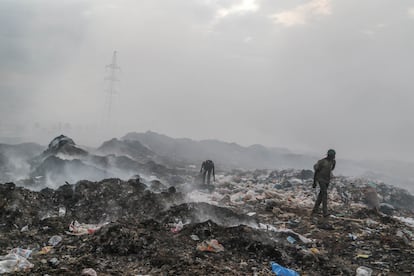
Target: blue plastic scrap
x,y
282,271
291,239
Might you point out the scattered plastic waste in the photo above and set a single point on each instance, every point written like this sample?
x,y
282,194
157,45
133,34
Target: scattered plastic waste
x,y
195,238
45,250
291,239
177,227
210,246
14,263
282,271
370,222
62,211
363,256
409,233
363,271
243,263
251,214
400,234
88,272
54,240
407,221
21,252
294,222
78,229
54,261
352,237
315,250
386,208
250,242
25,228
269,227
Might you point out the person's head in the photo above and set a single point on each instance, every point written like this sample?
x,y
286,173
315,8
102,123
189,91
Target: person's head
x,y
331,154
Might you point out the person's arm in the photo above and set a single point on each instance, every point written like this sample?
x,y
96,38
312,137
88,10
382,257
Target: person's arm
x,y
214,174
316,169
202,165
316,166
333,164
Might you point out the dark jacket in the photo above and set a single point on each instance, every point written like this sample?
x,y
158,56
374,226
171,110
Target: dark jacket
x,y
323,170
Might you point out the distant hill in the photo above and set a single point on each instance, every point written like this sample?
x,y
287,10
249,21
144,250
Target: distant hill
x,y
130,148
227,155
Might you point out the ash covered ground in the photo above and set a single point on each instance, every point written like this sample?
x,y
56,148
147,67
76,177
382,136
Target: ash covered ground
x,y
174,226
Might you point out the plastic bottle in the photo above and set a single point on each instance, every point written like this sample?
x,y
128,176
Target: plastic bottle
x,y
282,271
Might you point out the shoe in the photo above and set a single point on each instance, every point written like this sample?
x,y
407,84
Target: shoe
x,y
326,215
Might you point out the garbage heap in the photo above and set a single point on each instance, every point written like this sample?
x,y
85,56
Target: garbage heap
x,y
251,220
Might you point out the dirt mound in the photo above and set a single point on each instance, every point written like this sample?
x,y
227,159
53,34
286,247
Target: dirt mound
x,y
130,148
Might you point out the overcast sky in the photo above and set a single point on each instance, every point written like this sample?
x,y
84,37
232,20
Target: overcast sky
x,y
303,74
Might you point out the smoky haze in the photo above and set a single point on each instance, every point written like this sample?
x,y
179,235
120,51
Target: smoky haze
x,y
307,75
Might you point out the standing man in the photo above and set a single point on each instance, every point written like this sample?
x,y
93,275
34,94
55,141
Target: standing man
x,y
323,173
206,168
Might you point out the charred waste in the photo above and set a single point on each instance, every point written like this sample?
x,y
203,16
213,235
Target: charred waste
x,y
124,209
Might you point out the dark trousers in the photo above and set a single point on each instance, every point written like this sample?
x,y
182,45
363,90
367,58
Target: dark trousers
x,y
322,198
208,172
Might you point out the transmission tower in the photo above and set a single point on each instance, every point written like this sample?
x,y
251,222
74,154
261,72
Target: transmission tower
x,y
111,89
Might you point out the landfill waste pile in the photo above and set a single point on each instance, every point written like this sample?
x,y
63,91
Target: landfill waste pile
x,y
252,223
64,161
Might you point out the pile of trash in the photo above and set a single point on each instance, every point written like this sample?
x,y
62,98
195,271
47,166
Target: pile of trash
x,y
253,223
63,161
